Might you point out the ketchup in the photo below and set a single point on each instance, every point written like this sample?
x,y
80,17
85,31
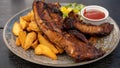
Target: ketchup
x,y
94,14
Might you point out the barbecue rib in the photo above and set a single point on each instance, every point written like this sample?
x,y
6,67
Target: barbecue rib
x,y
79,35
73,21
103,29
51,24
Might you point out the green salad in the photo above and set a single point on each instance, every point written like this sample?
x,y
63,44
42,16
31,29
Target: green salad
x,y
76,8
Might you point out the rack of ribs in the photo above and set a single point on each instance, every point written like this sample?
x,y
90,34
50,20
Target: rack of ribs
x,y
50,21
73,21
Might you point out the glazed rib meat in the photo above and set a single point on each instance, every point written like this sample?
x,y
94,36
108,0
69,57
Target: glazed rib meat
x,y
50,22
74,22
103,29
78,35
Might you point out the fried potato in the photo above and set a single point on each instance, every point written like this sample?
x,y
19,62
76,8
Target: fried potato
x,y
16,28
23,23
33,27
22,37
42,40
59,50
29,35
41,49
17,42
28,29
34,44
28,16
29,40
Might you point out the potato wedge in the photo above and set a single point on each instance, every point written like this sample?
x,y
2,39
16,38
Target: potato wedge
x,y
28,16
22,37
42,40
33,27
23,23
17,42
16,28
41,49
29,40
29,29
34,44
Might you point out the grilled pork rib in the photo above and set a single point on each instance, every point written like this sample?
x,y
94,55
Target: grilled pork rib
x,y
78,35
103,29
73,21
51,24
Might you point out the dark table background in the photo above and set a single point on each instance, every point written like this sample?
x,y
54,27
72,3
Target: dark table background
x,y
10,7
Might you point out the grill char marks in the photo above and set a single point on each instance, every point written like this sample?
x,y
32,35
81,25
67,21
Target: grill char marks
x,y
52,28
43,14
53,20
78,35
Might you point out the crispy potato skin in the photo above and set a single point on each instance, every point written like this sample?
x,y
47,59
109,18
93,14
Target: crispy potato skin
x,y
22,37
17,42
45,50
30,36
29,40
34,44
16,28
23,23
44,41
29,16
33,27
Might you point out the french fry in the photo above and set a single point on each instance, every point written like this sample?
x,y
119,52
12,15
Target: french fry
x,y
22,37
42,40
33,27
17,42
29,40
16,28
41,49
23,23
34,44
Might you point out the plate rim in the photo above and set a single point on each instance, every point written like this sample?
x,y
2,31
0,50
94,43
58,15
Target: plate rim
x,y
55,65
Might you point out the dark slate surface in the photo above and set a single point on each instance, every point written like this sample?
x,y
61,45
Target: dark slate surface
x,y
10,7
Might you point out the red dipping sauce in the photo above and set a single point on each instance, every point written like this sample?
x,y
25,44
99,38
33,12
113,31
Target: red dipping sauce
x,y
94,14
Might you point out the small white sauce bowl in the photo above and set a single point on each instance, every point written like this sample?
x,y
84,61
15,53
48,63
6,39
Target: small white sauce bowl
x,y
94,21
